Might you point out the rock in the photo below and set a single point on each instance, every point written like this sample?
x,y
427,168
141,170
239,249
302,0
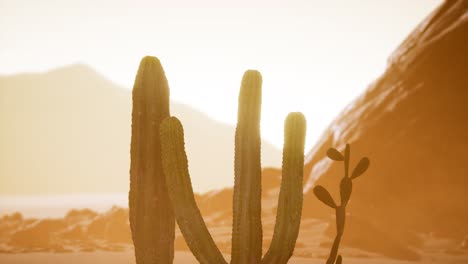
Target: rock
x,y
112,226
76,216
74,233
362,234
9,224
41,234
464,244
14,217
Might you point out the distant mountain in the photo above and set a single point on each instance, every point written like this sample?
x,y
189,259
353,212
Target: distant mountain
x,y
412,123
68,130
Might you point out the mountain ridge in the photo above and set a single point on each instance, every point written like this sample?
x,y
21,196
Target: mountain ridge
x,y
50,115
411,123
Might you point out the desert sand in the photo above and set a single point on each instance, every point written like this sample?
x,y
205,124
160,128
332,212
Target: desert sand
x,y
85,236
181,257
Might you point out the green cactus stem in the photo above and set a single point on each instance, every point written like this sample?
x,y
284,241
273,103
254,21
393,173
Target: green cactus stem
x,y
290,199
188,215
346,188
151,218
247,223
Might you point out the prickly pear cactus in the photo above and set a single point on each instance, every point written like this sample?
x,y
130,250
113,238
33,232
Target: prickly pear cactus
x,y
346,188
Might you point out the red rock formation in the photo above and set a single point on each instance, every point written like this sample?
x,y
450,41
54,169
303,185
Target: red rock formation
x,y
40,234
412,123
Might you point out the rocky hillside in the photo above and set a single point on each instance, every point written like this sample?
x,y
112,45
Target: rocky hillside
x,y
412,123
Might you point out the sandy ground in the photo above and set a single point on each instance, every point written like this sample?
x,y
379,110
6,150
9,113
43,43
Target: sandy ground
x,y
85,236
182,257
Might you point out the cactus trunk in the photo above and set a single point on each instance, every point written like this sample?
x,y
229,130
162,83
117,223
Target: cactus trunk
x,y
151,218
288,217
247,225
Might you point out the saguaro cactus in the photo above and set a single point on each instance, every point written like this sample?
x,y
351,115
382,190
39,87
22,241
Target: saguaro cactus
x,y
288,218
247,203
247,231
346,187
151,217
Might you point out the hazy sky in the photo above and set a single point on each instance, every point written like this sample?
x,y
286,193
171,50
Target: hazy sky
x,y
315,56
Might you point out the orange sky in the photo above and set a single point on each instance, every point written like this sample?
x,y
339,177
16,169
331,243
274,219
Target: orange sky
x,y
315,56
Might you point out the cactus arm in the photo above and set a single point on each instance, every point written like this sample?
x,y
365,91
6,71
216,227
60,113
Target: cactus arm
x,y
188,215
339,260
151,219
334,250
289,211
362,166
346,160
247,225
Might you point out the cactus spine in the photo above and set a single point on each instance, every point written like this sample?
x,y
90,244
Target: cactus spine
x,y
346,188
247,230
151,218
